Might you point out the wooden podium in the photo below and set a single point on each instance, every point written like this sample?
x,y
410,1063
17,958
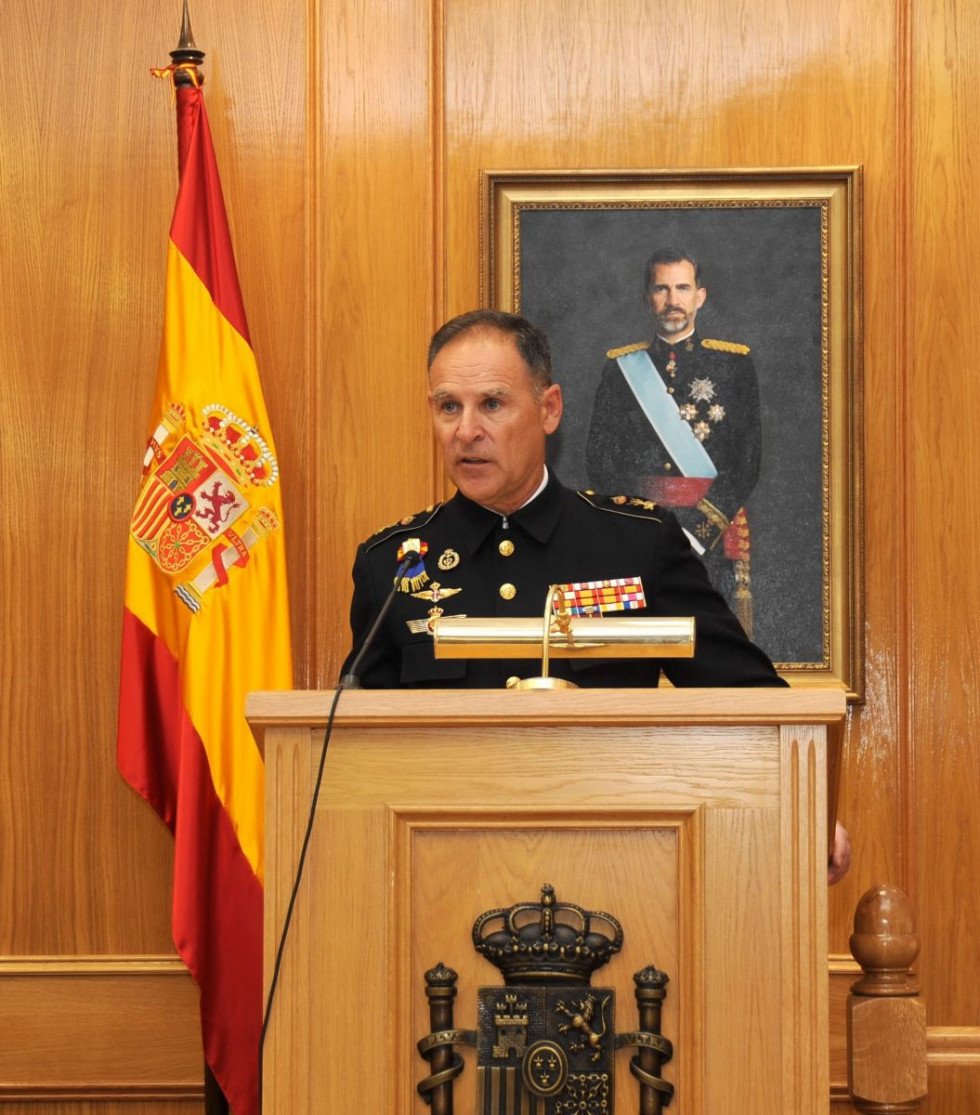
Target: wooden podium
x,y
697,817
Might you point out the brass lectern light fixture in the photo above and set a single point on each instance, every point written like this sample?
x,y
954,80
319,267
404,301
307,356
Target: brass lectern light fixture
x,y
545,1040
562,635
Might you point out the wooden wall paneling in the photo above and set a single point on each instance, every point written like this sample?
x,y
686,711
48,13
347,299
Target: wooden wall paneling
x,y
373,251
118,1107
88,179
943,308
844,971
110,1028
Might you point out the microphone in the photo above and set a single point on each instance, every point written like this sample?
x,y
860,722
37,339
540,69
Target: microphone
x,y
350,680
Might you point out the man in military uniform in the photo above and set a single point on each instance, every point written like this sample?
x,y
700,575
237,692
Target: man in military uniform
x,y
513,529
677,420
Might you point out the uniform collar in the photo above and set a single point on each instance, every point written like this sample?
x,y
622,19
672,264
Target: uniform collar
x,y
660,345
538,518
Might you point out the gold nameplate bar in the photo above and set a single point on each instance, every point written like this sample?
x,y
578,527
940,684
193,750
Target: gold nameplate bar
x,y
588,637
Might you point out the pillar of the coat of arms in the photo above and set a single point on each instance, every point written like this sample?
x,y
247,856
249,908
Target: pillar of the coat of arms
x,y
886,1025
440,990
651,990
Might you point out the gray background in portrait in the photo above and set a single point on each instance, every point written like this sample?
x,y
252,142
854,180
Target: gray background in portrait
x,y
582,282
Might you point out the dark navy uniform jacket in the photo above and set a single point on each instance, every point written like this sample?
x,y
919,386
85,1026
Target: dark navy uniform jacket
x,y
560,537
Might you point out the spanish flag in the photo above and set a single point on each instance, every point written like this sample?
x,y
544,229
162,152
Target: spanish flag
x,y
206,614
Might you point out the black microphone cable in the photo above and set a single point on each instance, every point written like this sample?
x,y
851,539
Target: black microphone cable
x,y
348,681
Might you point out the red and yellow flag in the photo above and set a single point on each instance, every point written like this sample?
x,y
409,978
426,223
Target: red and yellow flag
x,y
206,617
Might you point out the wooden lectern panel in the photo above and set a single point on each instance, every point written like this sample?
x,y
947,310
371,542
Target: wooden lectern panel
x,y
696,817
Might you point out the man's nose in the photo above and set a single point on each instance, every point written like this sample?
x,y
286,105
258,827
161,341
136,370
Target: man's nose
x,y
469,426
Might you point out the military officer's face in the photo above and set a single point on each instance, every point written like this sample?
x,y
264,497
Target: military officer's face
x,y
675,298
489,422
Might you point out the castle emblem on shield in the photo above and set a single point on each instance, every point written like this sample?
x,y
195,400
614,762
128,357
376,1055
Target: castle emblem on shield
x,y
201,508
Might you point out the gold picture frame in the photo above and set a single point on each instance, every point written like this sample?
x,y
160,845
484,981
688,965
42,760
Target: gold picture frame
x,y
781,250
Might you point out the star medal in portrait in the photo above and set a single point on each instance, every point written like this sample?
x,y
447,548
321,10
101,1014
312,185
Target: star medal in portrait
x,y
702,390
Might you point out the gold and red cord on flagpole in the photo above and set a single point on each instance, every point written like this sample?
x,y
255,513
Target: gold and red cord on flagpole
x,y
184,61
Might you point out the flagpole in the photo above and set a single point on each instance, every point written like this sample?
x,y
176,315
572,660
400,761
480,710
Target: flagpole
x,y
188,53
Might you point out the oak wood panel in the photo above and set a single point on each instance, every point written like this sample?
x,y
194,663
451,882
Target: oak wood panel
x,y
189,1106
373,252
590,866
944,314
844,971
382,708
80,1028
749,991
88,182
288,765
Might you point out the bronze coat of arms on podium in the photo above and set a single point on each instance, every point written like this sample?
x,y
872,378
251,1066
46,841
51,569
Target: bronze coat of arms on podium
x,y
545,1040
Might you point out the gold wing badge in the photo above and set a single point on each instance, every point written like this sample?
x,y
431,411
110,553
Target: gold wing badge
x,y
433,594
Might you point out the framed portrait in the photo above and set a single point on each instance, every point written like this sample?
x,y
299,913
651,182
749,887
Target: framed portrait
x,y
748,427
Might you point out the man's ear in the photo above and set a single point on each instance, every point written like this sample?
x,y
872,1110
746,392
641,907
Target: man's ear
x,y
702,294
551,408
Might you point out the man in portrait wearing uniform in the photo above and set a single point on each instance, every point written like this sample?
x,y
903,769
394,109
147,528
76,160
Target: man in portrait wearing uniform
x,y
677,420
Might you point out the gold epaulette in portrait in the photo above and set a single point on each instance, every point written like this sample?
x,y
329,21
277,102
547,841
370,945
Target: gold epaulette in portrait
x,y
726,346
613,353
410,522
635,506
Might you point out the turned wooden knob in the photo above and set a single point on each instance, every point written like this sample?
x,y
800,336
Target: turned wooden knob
x,y
886,1023
884,942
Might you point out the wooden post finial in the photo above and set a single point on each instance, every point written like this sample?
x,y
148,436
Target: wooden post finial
x,y
884,942
886,1024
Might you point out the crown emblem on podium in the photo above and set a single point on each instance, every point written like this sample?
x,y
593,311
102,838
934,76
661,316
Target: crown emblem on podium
x,y
547,941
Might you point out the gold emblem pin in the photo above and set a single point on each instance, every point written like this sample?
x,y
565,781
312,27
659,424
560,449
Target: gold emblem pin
x,y
506,547
507,591
448,559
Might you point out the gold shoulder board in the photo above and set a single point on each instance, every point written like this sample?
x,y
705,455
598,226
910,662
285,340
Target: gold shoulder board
x,y
406,524
726,346
627,349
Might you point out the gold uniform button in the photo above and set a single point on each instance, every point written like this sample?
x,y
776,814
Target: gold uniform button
x,y
508,592
506,547
668,466
670,390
